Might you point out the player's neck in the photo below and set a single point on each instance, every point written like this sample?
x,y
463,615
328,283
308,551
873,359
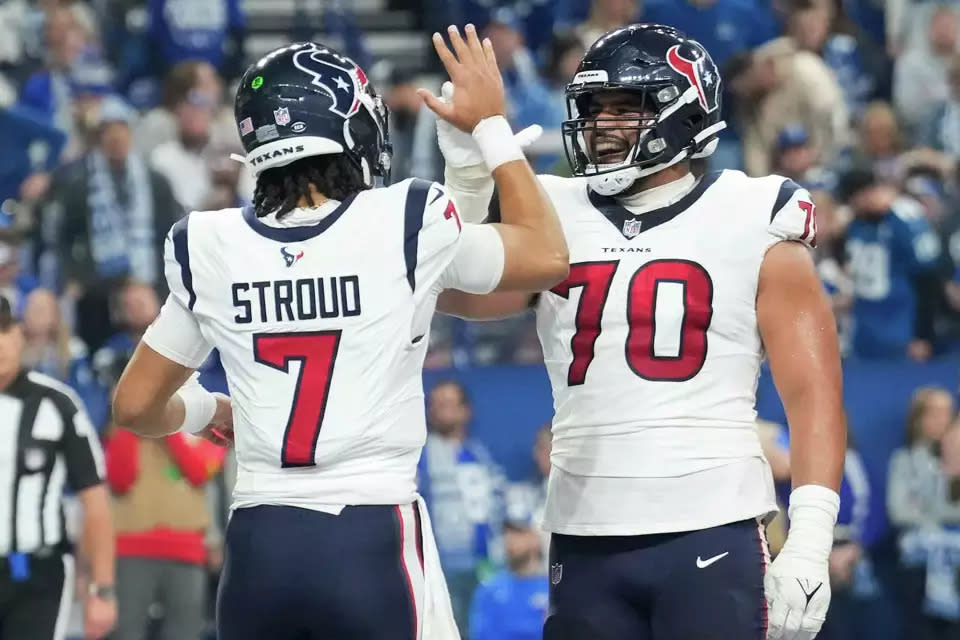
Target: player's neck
x,y
316,199
658,190
7,379
658,179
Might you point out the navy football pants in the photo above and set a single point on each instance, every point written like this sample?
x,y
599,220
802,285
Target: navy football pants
x,y
297,574
697,585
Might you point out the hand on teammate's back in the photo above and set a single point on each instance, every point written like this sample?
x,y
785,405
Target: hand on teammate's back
x,y
476,77
220,429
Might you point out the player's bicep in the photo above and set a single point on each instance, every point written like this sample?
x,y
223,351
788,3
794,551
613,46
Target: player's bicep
x,y
797,326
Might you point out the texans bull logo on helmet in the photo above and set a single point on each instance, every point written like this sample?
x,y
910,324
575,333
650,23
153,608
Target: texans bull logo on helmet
x,y
340,82
693,64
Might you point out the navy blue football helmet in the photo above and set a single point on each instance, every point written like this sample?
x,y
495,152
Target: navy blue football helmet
x,y
669,79
305,100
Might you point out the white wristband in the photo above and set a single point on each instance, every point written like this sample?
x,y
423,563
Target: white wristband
x,y
497,144
813,515
199,407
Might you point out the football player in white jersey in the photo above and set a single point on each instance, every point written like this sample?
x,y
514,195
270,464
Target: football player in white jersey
x,y
319,298
678,287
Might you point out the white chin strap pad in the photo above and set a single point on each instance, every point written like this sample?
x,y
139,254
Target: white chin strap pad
x,y
610,184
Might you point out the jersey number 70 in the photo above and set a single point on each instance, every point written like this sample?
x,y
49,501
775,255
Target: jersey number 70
x,y
317,353
643,303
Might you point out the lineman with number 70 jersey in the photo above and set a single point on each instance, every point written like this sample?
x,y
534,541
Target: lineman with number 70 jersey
x,y
678,287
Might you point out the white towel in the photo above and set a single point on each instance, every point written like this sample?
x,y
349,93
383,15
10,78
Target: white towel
x,y
438,622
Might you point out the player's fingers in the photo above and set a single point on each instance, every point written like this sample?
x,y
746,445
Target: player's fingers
x,y
446,56
490,54
776,619
473,42
435,104
793,624
463,51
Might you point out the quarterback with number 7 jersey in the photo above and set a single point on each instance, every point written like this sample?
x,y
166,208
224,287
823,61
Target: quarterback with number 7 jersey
x,y
319,298
679,286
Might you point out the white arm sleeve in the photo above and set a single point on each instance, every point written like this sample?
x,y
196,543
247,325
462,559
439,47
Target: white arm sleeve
x,y
478,264
175,335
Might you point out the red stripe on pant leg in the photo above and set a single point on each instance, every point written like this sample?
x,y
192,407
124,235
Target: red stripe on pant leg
x,y
419,536
763,558
406,572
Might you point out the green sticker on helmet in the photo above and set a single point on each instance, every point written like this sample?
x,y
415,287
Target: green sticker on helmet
x,y
257,82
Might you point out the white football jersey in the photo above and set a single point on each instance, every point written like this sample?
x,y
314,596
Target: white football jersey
x,y
322,330
653,352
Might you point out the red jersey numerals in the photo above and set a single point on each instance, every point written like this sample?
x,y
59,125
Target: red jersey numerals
x,y
650,317
317,353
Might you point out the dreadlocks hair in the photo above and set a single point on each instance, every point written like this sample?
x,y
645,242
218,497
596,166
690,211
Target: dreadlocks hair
x,y
281,188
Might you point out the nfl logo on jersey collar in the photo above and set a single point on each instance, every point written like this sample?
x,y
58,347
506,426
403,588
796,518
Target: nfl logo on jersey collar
x,y
632,227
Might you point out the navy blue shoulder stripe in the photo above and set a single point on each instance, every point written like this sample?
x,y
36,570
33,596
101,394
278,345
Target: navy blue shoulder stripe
x,y
787,189
181,252
413,211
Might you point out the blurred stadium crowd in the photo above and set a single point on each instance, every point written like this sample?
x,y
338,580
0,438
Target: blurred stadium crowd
x,y
116,118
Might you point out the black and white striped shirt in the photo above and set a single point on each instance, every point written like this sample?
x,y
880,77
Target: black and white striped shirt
x,y
47,442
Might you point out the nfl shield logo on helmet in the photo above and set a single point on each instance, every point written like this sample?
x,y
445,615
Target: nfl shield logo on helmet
x,y
556,573
631,227
281,116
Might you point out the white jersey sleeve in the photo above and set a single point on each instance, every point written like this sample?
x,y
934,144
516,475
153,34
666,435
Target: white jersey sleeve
x,y
175,334
794,216
449,254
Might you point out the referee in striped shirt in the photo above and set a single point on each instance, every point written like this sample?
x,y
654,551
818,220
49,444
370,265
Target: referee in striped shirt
x,y
46,444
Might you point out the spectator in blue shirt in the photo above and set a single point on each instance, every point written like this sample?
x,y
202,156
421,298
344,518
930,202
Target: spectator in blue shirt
x,y
32,146
48,91
893,257
198,30
512,604
796,158
723,27
464,489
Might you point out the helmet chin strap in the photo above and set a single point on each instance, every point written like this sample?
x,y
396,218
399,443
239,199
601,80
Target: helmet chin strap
x,y
616,182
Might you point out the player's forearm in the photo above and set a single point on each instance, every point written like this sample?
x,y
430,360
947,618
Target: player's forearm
x,y
811,388
152,418
536,255
818,438
98,535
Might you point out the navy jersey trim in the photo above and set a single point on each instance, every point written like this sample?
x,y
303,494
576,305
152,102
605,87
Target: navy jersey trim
x,y
787,189
613,211
299,233
413,212
181,252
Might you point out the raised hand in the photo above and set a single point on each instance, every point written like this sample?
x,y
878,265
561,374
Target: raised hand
x,y
476,77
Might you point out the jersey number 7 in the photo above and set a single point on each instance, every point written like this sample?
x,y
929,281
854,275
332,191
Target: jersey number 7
x,y
648,317
317,352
